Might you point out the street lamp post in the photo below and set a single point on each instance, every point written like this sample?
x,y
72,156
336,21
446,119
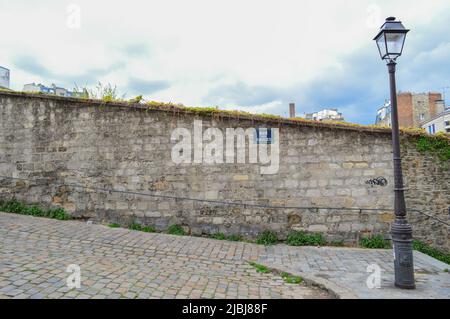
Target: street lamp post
x,y
390,41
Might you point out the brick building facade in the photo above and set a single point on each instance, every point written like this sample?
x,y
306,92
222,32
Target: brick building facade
x,y
415,108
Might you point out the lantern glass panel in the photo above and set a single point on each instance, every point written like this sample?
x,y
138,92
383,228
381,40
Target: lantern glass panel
x,y
394,44
381,45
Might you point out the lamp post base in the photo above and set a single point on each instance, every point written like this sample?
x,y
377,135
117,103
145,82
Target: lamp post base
x,y
413,286
403,254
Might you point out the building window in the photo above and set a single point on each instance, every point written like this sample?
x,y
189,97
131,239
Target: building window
x,y
422,116
431,129
447,123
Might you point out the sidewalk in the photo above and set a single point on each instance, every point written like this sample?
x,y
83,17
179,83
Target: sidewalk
x,y
344,271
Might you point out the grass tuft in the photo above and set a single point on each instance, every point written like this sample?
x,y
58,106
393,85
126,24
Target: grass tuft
x,y
291,279
301,238
219,236
431,251
14,206
260,268
234,238
373,242
148,229
176,230
267,237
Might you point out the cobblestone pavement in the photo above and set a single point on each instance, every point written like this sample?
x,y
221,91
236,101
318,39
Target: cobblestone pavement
x,y
34,254
120,263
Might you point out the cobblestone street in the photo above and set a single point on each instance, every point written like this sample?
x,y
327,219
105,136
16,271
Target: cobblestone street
x,y
120,263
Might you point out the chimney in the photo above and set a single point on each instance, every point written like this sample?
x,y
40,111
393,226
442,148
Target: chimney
x,y
291,110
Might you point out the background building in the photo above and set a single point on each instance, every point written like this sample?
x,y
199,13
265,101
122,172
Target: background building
x,y
439,123
53,89
384,114
4,78
325,115
413,109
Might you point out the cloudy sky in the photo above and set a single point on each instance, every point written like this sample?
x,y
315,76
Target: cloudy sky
x,y
253,55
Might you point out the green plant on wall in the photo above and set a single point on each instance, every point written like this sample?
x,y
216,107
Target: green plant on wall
x,y
104,92
438,145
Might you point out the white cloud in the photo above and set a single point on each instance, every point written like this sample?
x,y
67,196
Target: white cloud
x,y
198,45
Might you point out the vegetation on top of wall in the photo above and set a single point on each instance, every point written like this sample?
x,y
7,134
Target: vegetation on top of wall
x,y
430,251
109,94
14,206
82,93
136,100
106,93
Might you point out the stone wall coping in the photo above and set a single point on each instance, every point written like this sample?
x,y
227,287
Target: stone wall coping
x,y
220,114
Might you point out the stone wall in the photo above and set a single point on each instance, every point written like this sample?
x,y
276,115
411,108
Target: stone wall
x,y
68,147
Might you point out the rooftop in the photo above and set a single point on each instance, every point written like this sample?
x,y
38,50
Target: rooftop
x,y
446,112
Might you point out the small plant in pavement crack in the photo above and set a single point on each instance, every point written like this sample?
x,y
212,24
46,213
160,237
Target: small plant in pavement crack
x,y
291,279
288,278
260,268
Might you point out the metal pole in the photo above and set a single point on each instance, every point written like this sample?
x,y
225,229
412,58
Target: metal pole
x,y
401,231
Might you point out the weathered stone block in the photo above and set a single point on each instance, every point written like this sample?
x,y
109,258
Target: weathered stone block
x,y
317,228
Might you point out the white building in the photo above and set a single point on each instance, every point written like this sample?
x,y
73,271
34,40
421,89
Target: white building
x,y
325,115
439,123
4,78
384,114
53,89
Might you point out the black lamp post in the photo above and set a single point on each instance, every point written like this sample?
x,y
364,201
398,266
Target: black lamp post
x,y
390,42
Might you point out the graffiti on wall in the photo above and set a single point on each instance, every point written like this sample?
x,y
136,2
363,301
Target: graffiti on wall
x,y
379,181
